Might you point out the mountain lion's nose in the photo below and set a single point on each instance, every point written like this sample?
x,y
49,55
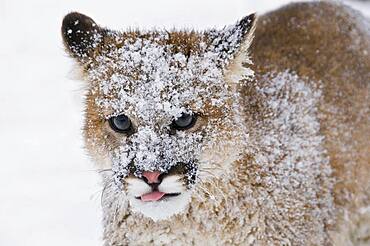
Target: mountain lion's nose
x,y
151,177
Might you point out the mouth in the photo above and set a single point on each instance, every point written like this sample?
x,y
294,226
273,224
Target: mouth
x,y
155,196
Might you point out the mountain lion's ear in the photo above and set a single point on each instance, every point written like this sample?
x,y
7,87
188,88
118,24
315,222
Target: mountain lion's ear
x,y
81,35
231,39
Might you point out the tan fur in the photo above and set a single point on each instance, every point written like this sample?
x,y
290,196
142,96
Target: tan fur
x,y
326,42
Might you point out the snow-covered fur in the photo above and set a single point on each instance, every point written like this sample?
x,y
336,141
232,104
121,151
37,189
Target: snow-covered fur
x,y
277,152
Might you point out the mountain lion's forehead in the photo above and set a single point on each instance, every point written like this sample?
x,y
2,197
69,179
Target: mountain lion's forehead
x,y
147,76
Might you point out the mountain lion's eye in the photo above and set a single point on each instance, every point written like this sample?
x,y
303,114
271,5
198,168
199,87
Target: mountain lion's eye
x,y
120,123
184,122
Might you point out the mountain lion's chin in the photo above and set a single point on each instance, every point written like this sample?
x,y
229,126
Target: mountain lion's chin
x,y
162,209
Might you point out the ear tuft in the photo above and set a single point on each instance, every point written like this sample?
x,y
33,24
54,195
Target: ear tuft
x,y
230,39
246,24
81,34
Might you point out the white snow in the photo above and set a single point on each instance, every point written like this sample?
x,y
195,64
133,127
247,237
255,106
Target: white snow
x,y
50,193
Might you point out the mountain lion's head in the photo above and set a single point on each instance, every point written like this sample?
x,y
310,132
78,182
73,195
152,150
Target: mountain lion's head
x,y
162,111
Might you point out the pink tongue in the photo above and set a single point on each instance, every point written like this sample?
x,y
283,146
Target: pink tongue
x,y
152,196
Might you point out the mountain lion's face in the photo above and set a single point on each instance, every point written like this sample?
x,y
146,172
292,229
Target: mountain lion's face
x,y
162,108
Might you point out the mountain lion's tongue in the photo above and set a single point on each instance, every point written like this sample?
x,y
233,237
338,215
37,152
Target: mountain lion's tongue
x,y
152,196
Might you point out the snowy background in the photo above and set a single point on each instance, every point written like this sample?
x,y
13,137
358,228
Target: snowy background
x,y
49,191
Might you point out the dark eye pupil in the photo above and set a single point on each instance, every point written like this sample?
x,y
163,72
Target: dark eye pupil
x,y
185,121
120,123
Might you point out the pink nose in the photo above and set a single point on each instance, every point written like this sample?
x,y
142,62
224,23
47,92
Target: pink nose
x,y
152,177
